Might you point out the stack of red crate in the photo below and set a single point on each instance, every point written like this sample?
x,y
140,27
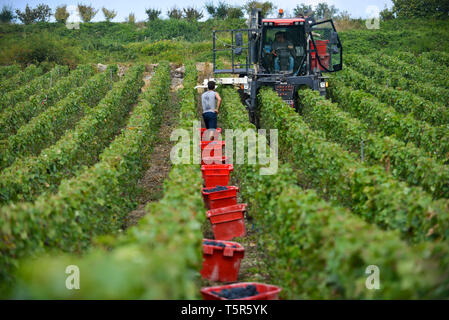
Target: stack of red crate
x,y
225,215
221,257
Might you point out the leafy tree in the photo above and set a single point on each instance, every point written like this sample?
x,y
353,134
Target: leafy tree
x,y
210,8
421,8
61,14
28,16
109,14
42,12
267,7
131,18
224,11
323,11
217,12
153,14
386,14
344,15
175,13
235,13
221,11
7,14
87,12
192,14
302,10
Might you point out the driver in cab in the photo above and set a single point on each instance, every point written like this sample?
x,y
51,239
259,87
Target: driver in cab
x,y
282,49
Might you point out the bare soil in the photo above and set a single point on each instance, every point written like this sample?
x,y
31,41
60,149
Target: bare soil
x,y
158,164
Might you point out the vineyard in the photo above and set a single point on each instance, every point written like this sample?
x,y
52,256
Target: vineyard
x,y
363,180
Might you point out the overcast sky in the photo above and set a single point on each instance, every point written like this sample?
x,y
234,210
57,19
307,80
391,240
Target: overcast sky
x,y
356,8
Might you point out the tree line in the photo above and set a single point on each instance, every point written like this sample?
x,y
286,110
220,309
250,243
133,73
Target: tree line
x,y
222,10
43,13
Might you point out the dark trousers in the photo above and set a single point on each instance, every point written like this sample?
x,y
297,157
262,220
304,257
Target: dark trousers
x,y
210,120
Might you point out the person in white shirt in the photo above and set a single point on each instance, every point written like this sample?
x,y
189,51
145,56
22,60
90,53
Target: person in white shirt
x,y
211,102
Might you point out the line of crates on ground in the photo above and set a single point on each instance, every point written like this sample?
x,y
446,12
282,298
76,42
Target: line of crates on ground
x,y
221,257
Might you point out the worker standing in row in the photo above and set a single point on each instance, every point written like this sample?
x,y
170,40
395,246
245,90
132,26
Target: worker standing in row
x,y
211,102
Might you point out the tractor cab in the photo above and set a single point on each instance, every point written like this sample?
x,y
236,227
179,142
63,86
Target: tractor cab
x,y
285,46
283,53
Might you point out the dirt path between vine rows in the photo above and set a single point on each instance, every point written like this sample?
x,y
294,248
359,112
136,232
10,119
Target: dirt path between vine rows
x,y
158,163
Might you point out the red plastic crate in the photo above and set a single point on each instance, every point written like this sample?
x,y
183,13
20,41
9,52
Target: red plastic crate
x,y
222,264
216,174
213,160
266,291
212,148
321,46
219,199
203,130
323,55
228,222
